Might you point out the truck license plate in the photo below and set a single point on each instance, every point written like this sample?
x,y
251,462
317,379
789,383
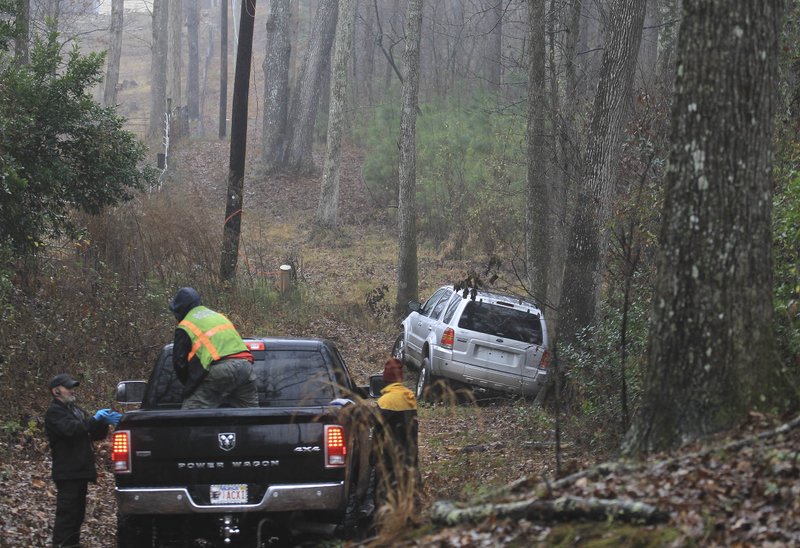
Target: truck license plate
x,y
229,494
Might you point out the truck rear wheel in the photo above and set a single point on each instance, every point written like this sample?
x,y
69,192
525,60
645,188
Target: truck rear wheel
x,y
135,532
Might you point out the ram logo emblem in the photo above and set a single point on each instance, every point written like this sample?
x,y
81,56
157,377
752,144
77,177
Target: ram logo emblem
x,y
227,441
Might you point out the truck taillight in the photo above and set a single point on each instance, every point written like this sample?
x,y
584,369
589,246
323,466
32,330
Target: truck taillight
x,y
545,360
335,448
121,452
447,338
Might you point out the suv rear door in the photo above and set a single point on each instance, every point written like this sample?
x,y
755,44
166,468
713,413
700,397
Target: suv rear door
x,y
494,341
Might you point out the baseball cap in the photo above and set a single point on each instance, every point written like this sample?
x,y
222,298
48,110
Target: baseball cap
x,y
63,379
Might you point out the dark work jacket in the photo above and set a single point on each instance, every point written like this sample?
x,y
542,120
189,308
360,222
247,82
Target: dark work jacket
x,y
70,431
190,372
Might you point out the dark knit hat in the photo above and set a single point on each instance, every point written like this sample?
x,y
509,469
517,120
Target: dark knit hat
x,y
185,299
393,370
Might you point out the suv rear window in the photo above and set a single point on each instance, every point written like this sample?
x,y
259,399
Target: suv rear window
x,y
501,321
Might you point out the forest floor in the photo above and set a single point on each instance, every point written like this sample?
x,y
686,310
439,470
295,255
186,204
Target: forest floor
x,y
735,490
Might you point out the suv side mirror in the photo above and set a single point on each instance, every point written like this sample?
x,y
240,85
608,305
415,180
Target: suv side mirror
x,y
131,392
376,384
414,306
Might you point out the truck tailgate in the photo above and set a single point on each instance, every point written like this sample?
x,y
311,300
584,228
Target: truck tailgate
x,y
257,446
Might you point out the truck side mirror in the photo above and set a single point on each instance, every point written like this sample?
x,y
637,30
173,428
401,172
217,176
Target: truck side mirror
x,y
414,306
131,392
376,384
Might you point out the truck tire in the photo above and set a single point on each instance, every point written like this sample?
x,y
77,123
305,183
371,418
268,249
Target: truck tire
x,y
135,532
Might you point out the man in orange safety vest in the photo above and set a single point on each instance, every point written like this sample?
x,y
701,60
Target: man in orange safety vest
x,y
210,357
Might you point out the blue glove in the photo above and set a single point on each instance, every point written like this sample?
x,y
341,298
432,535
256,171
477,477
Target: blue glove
x,y
112,417
102,415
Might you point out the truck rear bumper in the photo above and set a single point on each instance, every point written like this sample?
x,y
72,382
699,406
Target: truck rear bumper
x,y
278,498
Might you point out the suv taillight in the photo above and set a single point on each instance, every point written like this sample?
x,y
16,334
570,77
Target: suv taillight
x,y
121,452
545,360
448,337
335,448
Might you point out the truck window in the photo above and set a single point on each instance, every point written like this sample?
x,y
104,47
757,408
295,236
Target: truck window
x,y
291,378
501,321
286,378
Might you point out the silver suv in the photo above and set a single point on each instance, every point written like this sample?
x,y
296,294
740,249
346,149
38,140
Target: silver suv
x,y
480,338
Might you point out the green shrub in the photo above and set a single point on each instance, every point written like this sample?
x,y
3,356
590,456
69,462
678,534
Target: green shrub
x,y
59,149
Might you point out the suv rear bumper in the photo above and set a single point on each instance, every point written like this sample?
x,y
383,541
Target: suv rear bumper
x,y
278,498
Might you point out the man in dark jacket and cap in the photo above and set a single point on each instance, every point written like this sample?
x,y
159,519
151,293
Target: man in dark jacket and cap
x,y
70,431
209,356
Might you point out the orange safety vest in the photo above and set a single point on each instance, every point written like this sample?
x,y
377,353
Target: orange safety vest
x,y
213,335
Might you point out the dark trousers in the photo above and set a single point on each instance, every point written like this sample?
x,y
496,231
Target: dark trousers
x,y
70,510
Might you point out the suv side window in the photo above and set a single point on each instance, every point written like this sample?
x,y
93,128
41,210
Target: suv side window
x,y
430,303
451,308
437,310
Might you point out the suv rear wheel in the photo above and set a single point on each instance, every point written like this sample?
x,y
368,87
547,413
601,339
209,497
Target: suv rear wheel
x,y
429,386
399,348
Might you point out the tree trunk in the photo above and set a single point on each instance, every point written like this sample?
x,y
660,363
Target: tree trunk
x,y
241,84
276,84
175,32
568,154
193,71
407,275
711,349
590,48
668,25
595,194
494,61
158,70
306,96
538,215
565,508
328,210
54,13
23,32
223,69
114,53
368,68
649,47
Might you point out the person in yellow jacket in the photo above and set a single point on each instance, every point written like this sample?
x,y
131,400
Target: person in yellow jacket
x,y
210,357
398,427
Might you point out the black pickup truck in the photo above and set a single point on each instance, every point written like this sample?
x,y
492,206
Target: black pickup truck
x,y
242,476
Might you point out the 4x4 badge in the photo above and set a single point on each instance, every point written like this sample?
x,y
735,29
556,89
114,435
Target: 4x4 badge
x,y
227,441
